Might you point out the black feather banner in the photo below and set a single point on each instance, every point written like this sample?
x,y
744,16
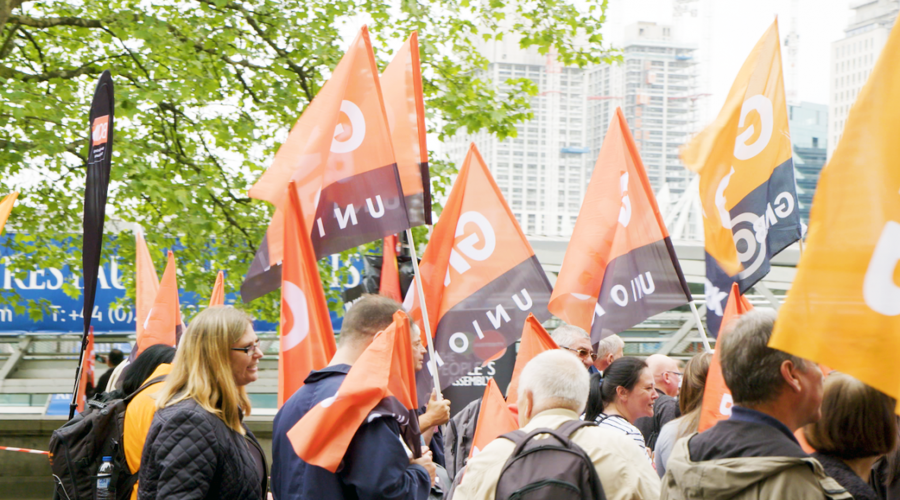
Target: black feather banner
x,y
100,144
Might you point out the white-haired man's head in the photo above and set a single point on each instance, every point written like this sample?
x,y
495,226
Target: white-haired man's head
x,y
575,340
611,348
553,379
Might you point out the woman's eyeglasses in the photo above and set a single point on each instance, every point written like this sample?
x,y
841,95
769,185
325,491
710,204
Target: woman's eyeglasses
x,y
581,353
249,350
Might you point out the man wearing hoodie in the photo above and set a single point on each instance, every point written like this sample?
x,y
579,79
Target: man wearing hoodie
x,y
754,454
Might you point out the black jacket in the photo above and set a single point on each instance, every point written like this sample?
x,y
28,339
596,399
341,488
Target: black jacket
x,y
665,409
191,454
844,475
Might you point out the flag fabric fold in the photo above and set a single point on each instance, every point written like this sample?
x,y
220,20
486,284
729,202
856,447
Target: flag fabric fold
x,y
480,277
217,298
146,282
535,340
843,309
163,324
389,285
341,157
717,400
620,266
747,188
376,386
494,419
307,339
6,207
401,84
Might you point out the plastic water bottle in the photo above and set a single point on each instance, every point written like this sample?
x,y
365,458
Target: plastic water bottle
x,y
104,481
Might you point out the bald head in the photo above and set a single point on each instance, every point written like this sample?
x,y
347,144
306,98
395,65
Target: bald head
x,y
666,374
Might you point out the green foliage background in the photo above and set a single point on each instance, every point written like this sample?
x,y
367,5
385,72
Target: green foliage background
x,y
205,90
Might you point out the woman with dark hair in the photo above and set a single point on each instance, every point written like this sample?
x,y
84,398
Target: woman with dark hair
x,y
858,426
154,363
690,402
626,393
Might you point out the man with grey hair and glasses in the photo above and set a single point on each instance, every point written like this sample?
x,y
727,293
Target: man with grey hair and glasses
x,y
754,454
577,341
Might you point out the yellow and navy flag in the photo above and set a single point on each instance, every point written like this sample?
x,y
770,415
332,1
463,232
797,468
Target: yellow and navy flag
x,y
843,309
747,188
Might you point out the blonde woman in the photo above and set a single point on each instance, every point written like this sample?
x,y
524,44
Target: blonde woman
x,y
198,447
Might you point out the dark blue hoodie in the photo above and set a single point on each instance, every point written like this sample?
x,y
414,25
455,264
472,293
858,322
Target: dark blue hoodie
x,y
375,466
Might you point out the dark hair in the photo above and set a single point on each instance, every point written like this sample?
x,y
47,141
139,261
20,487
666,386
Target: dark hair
x,y
115,357
857,420
623,372
368,316
594,403
752,369
138,372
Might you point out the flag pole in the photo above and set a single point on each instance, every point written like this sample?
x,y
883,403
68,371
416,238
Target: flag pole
x,y
432,361
700,327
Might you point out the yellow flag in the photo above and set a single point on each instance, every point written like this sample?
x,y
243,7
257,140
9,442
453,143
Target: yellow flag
x,y
6,207
844,307
737,158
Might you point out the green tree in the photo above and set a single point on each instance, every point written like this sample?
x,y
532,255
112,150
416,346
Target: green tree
x,y
206,89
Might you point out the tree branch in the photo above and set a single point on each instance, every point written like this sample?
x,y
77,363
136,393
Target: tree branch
x,y
49,22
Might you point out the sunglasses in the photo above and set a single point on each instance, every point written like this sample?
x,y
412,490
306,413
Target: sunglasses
x,y
249,350
581,353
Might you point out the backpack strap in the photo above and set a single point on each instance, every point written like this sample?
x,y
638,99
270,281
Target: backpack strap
x,y
572,426
147,384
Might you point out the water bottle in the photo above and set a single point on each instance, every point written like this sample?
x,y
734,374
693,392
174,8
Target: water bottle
x,y
105,488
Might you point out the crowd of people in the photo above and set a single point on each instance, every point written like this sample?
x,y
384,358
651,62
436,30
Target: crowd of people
x,y
635,421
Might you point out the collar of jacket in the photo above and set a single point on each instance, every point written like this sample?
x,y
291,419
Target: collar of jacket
x,y
328,371
741,414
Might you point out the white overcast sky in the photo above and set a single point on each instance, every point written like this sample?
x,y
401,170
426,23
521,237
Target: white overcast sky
x,y
737,26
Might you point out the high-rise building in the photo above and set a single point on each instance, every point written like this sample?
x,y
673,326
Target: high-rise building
x,y
809,131
854,56
543,171
660,93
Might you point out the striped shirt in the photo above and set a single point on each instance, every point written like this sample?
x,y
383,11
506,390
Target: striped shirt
x,y
619,424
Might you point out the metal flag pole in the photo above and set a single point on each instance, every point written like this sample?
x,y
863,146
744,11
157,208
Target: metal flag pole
x,y
700,327
432,361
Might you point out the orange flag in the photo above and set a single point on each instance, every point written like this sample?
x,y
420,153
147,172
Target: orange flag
x,y
375,382
341,157
6,207
307,340
218,294
620,267
401,84
717,400
494,418
87,372
480,276
843,309
390,275
535,340
146,282
163,324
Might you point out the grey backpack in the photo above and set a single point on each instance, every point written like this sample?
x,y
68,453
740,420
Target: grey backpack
x,y
554,468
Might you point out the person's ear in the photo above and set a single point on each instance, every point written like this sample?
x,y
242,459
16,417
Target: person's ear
x,y
610,358
790,375
526,406
622,392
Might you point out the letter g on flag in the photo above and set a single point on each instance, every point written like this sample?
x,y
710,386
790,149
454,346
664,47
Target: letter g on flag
x,y
762,105
357,129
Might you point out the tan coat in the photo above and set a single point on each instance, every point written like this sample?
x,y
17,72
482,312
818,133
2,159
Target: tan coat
x,y
623,469
750,478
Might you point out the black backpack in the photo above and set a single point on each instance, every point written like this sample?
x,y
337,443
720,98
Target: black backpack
x,y
554,468
78,447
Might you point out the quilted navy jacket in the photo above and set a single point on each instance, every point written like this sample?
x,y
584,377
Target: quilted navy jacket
x,y
190,454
